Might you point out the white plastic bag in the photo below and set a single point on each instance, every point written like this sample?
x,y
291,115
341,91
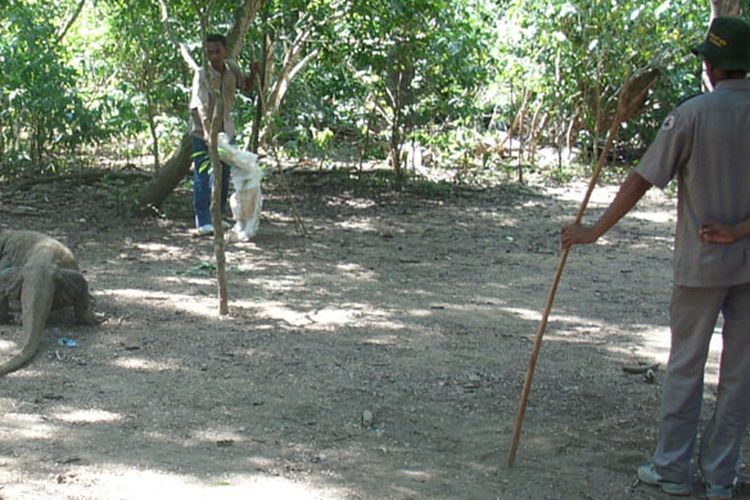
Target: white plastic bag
x,y
246,201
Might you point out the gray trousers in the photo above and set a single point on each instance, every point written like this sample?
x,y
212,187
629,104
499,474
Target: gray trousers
x,y
693,314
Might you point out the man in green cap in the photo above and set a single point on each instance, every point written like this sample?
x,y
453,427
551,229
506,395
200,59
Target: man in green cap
x,y
705,143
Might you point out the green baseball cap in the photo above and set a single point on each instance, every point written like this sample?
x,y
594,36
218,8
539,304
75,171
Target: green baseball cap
x,y
727,44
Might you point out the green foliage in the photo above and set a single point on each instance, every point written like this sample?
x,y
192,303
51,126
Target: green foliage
x,y
384,75
575,54
397,67
44,113
131,65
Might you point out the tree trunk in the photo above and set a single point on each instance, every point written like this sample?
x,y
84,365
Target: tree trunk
x,y
366,143
243,16
725,8
522,115
294,62
572,127
400,96
260,99
396,143
154,140
164,181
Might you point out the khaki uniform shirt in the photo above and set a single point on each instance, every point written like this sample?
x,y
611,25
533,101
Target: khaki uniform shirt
x,y
705,142
202,103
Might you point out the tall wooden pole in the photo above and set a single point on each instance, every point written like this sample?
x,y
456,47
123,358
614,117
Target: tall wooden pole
x,y
631,97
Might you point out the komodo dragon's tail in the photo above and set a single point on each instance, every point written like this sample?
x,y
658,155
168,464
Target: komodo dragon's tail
x,y
37,293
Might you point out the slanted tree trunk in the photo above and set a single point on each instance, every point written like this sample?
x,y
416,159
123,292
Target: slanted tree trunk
x,y
164,181
69,22
521,120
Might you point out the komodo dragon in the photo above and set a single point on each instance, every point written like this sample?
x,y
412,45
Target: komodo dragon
x,y
38,274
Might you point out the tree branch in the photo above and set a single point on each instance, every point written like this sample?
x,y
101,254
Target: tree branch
x,y
71,19
243,16
170,34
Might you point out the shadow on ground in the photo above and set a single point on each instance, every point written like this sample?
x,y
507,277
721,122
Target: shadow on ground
x,y
382,356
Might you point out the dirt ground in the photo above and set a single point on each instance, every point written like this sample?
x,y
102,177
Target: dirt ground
x,y
380,357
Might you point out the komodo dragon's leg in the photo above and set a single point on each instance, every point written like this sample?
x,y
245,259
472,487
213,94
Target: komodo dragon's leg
x,y
10,291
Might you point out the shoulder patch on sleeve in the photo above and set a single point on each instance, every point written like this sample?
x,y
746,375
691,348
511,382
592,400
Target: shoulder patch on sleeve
x,y
668,122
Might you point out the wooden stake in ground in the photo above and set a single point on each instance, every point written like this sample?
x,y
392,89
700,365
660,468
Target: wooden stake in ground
x,y
217,167
216,215
629,103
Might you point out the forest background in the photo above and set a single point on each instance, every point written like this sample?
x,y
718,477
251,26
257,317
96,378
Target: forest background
x,y
471,88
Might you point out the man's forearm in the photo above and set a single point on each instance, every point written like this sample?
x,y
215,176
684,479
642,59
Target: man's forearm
x,y
630,192
252,80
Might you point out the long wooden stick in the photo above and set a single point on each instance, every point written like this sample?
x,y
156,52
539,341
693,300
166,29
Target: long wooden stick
x,y
626,103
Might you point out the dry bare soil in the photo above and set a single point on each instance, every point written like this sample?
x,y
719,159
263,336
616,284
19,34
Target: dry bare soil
x,y
380,357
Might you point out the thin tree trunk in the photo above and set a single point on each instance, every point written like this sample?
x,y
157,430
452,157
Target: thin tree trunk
x,y
2,144
260,100
154,141
366,144
537,125
514,123
396,143
522,118
71,19
559,142
396,139
597,123
571,129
